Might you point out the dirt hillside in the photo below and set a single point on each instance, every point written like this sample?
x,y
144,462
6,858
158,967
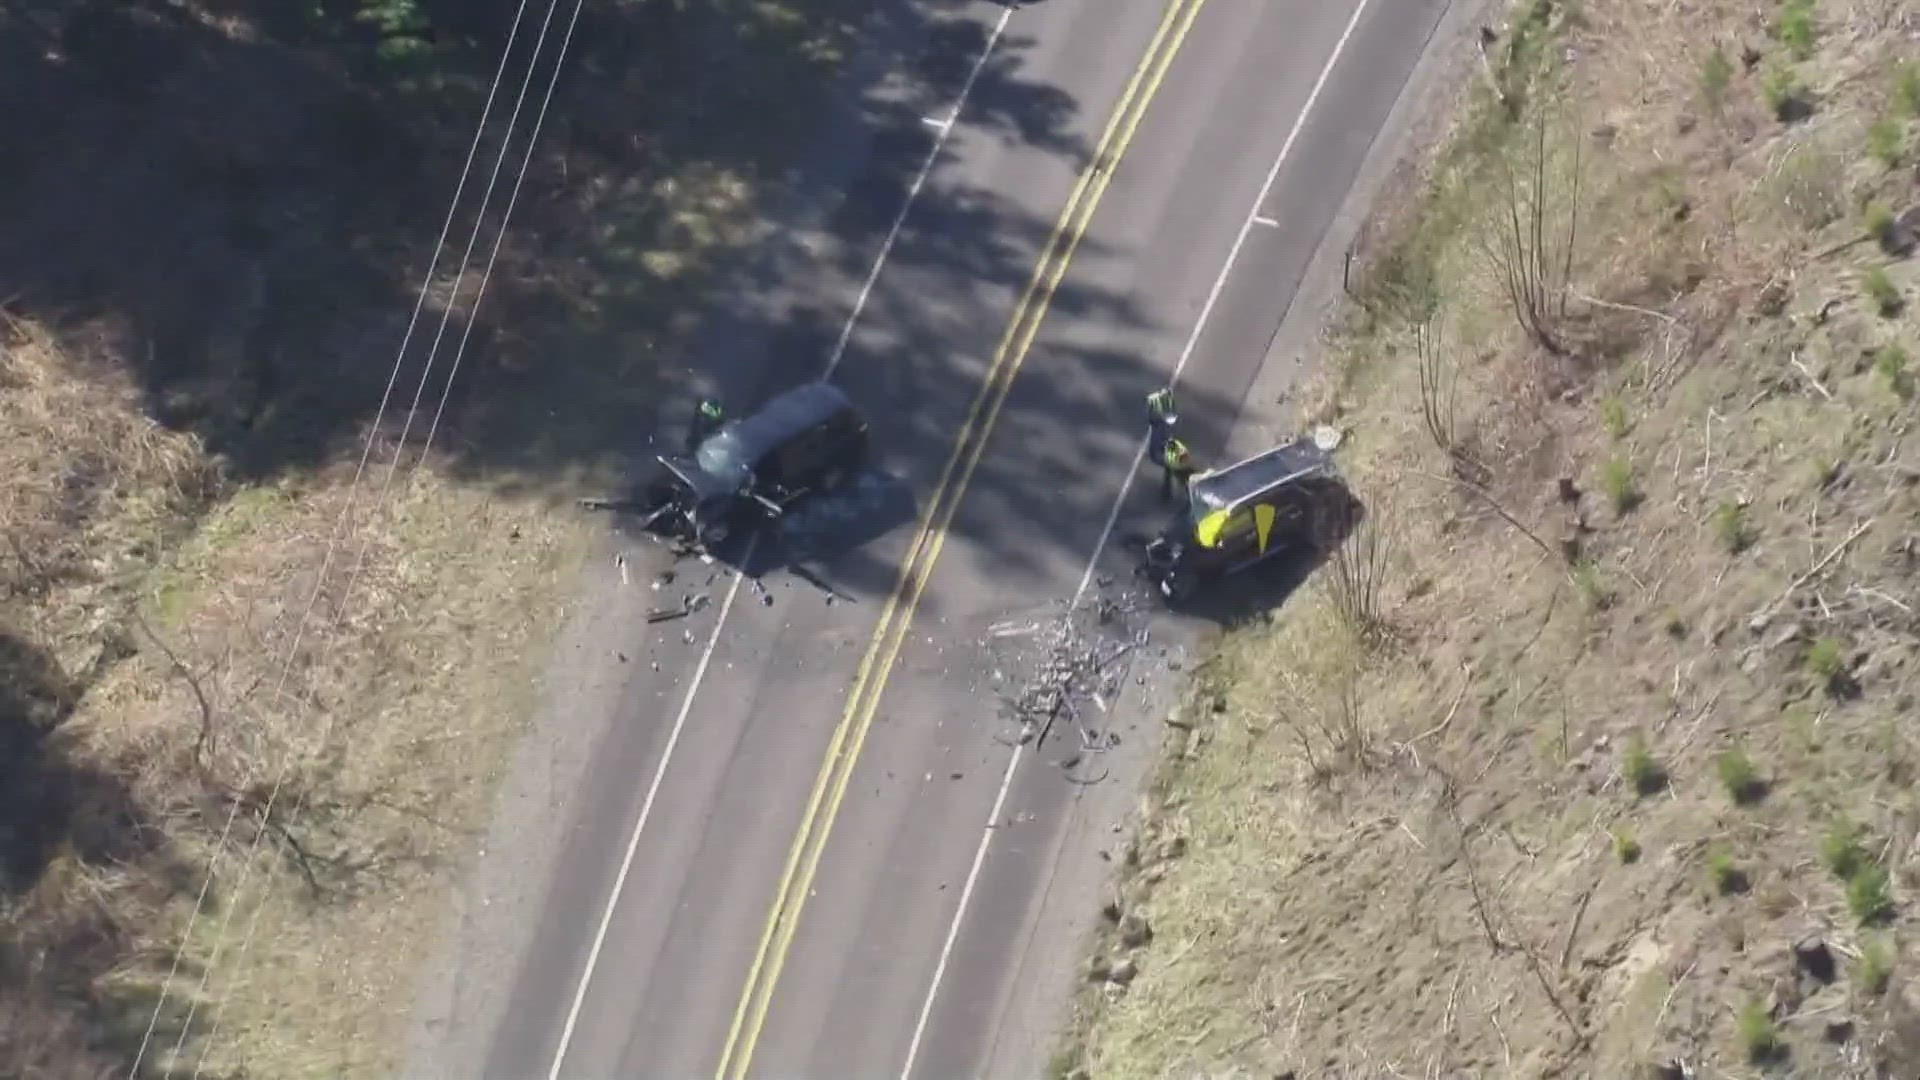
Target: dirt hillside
x,y
1591,752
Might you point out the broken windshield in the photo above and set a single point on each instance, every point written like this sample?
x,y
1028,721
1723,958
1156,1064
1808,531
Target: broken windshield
x,y
724,457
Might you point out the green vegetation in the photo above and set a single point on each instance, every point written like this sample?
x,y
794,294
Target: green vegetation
x,y
1841,851
1619,484
1644,775
1592,585
1626,847
1723,873
1826,661
1716,72
1906,89
1780,88
1879,224
1758,1035
1740,777
1890,364
1732,526
1796,27
1875,972
1882,293
1869,895
1887,141
1613,416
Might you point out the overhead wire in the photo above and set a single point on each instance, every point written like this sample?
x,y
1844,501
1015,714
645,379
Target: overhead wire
x,y
341,520
480,292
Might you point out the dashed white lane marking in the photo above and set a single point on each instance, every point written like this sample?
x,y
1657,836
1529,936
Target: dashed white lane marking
x,y
706,656
1267,221
1186,353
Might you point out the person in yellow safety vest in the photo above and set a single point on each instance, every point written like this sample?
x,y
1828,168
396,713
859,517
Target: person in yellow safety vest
x,y
1176,463
707,417
1161,412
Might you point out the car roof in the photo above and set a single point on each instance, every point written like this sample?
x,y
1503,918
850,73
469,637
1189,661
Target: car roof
x,y
1224,488
787,415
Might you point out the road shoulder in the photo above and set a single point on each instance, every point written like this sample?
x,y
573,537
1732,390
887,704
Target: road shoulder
x,y
1054,1005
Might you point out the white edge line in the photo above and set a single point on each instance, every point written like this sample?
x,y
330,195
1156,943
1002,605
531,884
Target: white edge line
x,y
706,657
945,128
1206,312
639,826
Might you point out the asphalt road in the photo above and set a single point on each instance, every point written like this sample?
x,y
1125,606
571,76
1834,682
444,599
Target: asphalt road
x,y
741,907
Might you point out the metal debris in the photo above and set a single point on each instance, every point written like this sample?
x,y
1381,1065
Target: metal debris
x,y
1080,657
689,604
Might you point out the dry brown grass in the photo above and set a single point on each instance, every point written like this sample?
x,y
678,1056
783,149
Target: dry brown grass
x,y
1451,901
151,617
151,690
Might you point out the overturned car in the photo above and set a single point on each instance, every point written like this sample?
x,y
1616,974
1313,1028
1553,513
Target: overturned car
x,y
1275,502
750,471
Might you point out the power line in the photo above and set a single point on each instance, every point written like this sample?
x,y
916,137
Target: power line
x,y
526,163
340,521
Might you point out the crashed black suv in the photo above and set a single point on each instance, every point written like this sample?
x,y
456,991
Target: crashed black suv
x,y
746,474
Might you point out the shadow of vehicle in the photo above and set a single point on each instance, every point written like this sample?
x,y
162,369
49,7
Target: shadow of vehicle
x,y
1260,590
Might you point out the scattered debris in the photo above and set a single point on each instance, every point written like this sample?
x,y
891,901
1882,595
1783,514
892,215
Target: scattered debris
x,y
1080,660
689,604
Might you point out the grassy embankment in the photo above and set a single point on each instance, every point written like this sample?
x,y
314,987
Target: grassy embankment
x,y
233,204
1608,706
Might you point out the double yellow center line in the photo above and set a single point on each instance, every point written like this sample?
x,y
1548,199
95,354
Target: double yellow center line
x,y
843,751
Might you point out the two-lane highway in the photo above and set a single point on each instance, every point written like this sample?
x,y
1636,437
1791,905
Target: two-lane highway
x,y
774,861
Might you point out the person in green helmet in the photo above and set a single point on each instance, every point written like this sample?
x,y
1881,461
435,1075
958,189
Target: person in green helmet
x,y
1176,463
707,418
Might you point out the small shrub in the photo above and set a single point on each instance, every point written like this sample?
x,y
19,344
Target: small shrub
x,y
1887,141
1868,898
1731,527
1882,292
1781,89
1716,72
1618,482
1643,774
1759,1037
1906,89
1613,416
1727,878
1841,851
1823,471
1890,363
1625,847
1826,661
1740,778
1879,224
1875,972
1593,588
1796,29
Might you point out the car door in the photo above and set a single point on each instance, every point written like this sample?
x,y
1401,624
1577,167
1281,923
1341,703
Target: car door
x,y
798,461
1239,538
